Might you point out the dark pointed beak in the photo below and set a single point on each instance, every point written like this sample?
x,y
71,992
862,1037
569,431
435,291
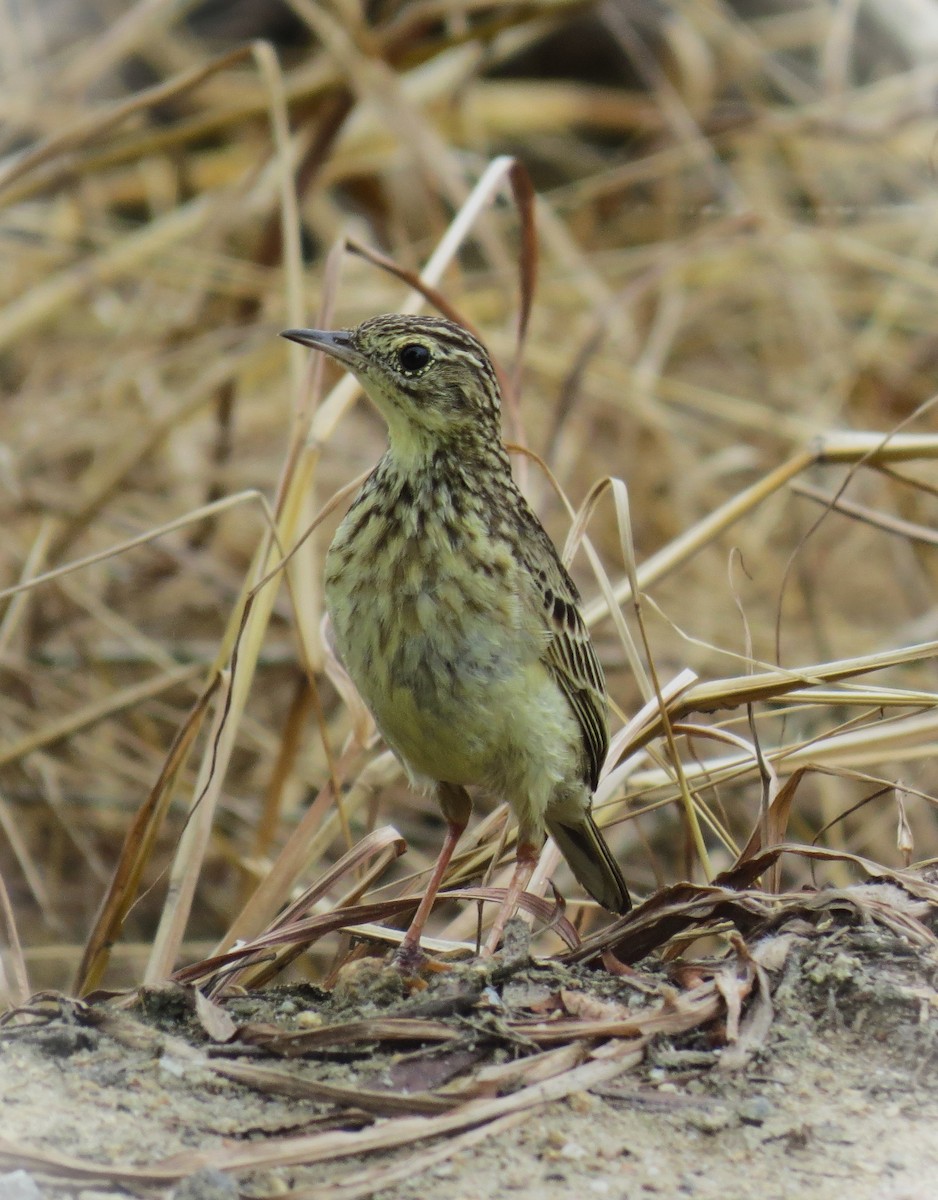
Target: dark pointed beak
x,y
335,342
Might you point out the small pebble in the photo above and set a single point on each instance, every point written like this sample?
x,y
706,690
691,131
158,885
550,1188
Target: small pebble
x,y
755,1110
173,1066
582,1102
19,1185
709,1120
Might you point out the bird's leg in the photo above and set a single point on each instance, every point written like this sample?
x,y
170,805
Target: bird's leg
x,y
525,862
456,805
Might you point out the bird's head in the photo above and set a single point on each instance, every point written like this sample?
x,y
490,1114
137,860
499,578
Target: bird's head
x,y
431,380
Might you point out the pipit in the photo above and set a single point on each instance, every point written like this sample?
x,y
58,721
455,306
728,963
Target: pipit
x,y
454,616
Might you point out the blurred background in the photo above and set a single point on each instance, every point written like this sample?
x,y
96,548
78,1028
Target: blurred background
x,y
738,237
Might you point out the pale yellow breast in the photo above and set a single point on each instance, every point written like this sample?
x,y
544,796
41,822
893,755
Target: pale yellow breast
x,y
433,633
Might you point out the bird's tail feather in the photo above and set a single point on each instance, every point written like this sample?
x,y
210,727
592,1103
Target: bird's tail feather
x,y
591,861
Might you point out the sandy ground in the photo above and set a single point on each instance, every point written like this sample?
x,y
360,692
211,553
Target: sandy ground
x,y
841,1099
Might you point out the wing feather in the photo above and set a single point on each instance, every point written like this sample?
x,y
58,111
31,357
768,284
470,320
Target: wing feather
x,y
568,652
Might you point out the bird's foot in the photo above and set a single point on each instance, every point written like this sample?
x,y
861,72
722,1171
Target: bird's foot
x,y
414,964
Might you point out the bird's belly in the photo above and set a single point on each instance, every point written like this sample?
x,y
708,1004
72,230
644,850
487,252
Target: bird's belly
x,y
438,654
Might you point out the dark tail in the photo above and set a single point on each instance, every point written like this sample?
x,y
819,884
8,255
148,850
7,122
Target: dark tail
x,y
591,861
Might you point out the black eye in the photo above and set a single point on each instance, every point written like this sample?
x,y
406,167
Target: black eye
x,y
413,357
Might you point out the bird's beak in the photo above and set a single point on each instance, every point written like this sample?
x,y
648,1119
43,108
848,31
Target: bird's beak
x,y
337,343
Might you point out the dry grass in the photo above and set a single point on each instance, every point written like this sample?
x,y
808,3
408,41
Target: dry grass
x,y
734,315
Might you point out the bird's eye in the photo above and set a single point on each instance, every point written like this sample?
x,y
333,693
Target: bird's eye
x,y
413,357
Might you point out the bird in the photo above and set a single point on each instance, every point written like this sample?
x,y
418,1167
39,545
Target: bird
x,y
454,616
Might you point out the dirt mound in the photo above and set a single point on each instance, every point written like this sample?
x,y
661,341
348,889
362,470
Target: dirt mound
x,y
787,1067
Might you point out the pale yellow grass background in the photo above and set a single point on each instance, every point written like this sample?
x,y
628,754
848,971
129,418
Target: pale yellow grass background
x,y
738,234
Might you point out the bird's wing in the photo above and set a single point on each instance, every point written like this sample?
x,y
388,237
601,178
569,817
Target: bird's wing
x,y
568,653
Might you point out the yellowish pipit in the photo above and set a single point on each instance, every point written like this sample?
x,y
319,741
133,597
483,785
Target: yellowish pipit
x,y
454,616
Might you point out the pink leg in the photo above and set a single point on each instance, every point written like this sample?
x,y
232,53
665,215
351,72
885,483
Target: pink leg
x,y
525,862
456,805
